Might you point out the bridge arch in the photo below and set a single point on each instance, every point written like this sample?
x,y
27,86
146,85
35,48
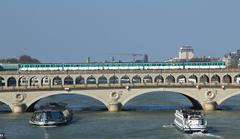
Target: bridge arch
x,y
227,79
170,79
215,79
204,79
237,78
45,81
91,80
228,97
102,80
147,79
125,79
57,80
136,79
113,79
34,81
30,105
6,103
193,79
159,79
79,80
68,80
181,79
11,81
23,81
196,104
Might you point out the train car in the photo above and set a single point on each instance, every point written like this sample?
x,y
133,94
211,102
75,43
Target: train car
x,y
9,67
114,66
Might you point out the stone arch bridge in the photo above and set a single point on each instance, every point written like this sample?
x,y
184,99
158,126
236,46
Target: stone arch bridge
x,y
206,89
115,98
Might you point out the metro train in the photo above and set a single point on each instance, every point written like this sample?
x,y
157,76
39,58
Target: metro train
x,y
113,66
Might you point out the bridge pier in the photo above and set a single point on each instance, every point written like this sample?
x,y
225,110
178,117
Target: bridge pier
x,y
209,105
19,108
114,107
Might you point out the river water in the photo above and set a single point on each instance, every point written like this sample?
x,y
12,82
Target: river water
x,y
149,116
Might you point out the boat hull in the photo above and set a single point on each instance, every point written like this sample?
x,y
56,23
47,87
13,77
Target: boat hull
x,y
47,123
188,130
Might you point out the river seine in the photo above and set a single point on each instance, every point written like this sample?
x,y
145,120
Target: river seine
x,y
149,116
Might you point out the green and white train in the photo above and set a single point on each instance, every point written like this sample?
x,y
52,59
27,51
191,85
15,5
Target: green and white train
x,y
113,66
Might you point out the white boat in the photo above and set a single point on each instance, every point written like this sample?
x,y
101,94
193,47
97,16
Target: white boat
x,y
190,121
52,114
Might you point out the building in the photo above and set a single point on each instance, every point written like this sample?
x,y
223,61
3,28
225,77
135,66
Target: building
x,y
145,58
88,60
232,59
186,53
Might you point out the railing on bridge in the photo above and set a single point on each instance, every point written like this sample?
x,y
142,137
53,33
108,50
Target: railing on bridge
x,y
119,85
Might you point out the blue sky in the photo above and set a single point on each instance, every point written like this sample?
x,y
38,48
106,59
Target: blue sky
x,y
72,30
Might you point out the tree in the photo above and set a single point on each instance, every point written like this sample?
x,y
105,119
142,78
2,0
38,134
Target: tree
x,y
27,59
22,59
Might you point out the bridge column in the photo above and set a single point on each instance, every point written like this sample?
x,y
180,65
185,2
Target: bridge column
x,y
6,84
114,107
17,82
29,83
62,81
19,108
209,105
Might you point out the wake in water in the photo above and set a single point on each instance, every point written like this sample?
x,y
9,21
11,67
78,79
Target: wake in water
x,y
168,126
199,134
196,134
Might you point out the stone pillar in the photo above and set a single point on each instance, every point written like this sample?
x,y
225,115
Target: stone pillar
x,y
29,81
6,83
209,105
74,83
17,82
62,81
19,108
114,107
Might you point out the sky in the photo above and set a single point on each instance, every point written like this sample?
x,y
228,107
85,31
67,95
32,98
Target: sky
x,y
72,30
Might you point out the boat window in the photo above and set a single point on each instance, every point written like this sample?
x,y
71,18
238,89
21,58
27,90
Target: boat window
x,y
56,115
43,117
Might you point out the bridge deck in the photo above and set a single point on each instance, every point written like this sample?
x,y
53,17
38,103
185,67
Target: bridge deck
x,y
115,86
120,71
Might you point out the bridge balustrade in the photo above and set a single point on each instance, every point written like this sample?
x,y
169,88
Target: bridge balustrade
x,y
58,79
